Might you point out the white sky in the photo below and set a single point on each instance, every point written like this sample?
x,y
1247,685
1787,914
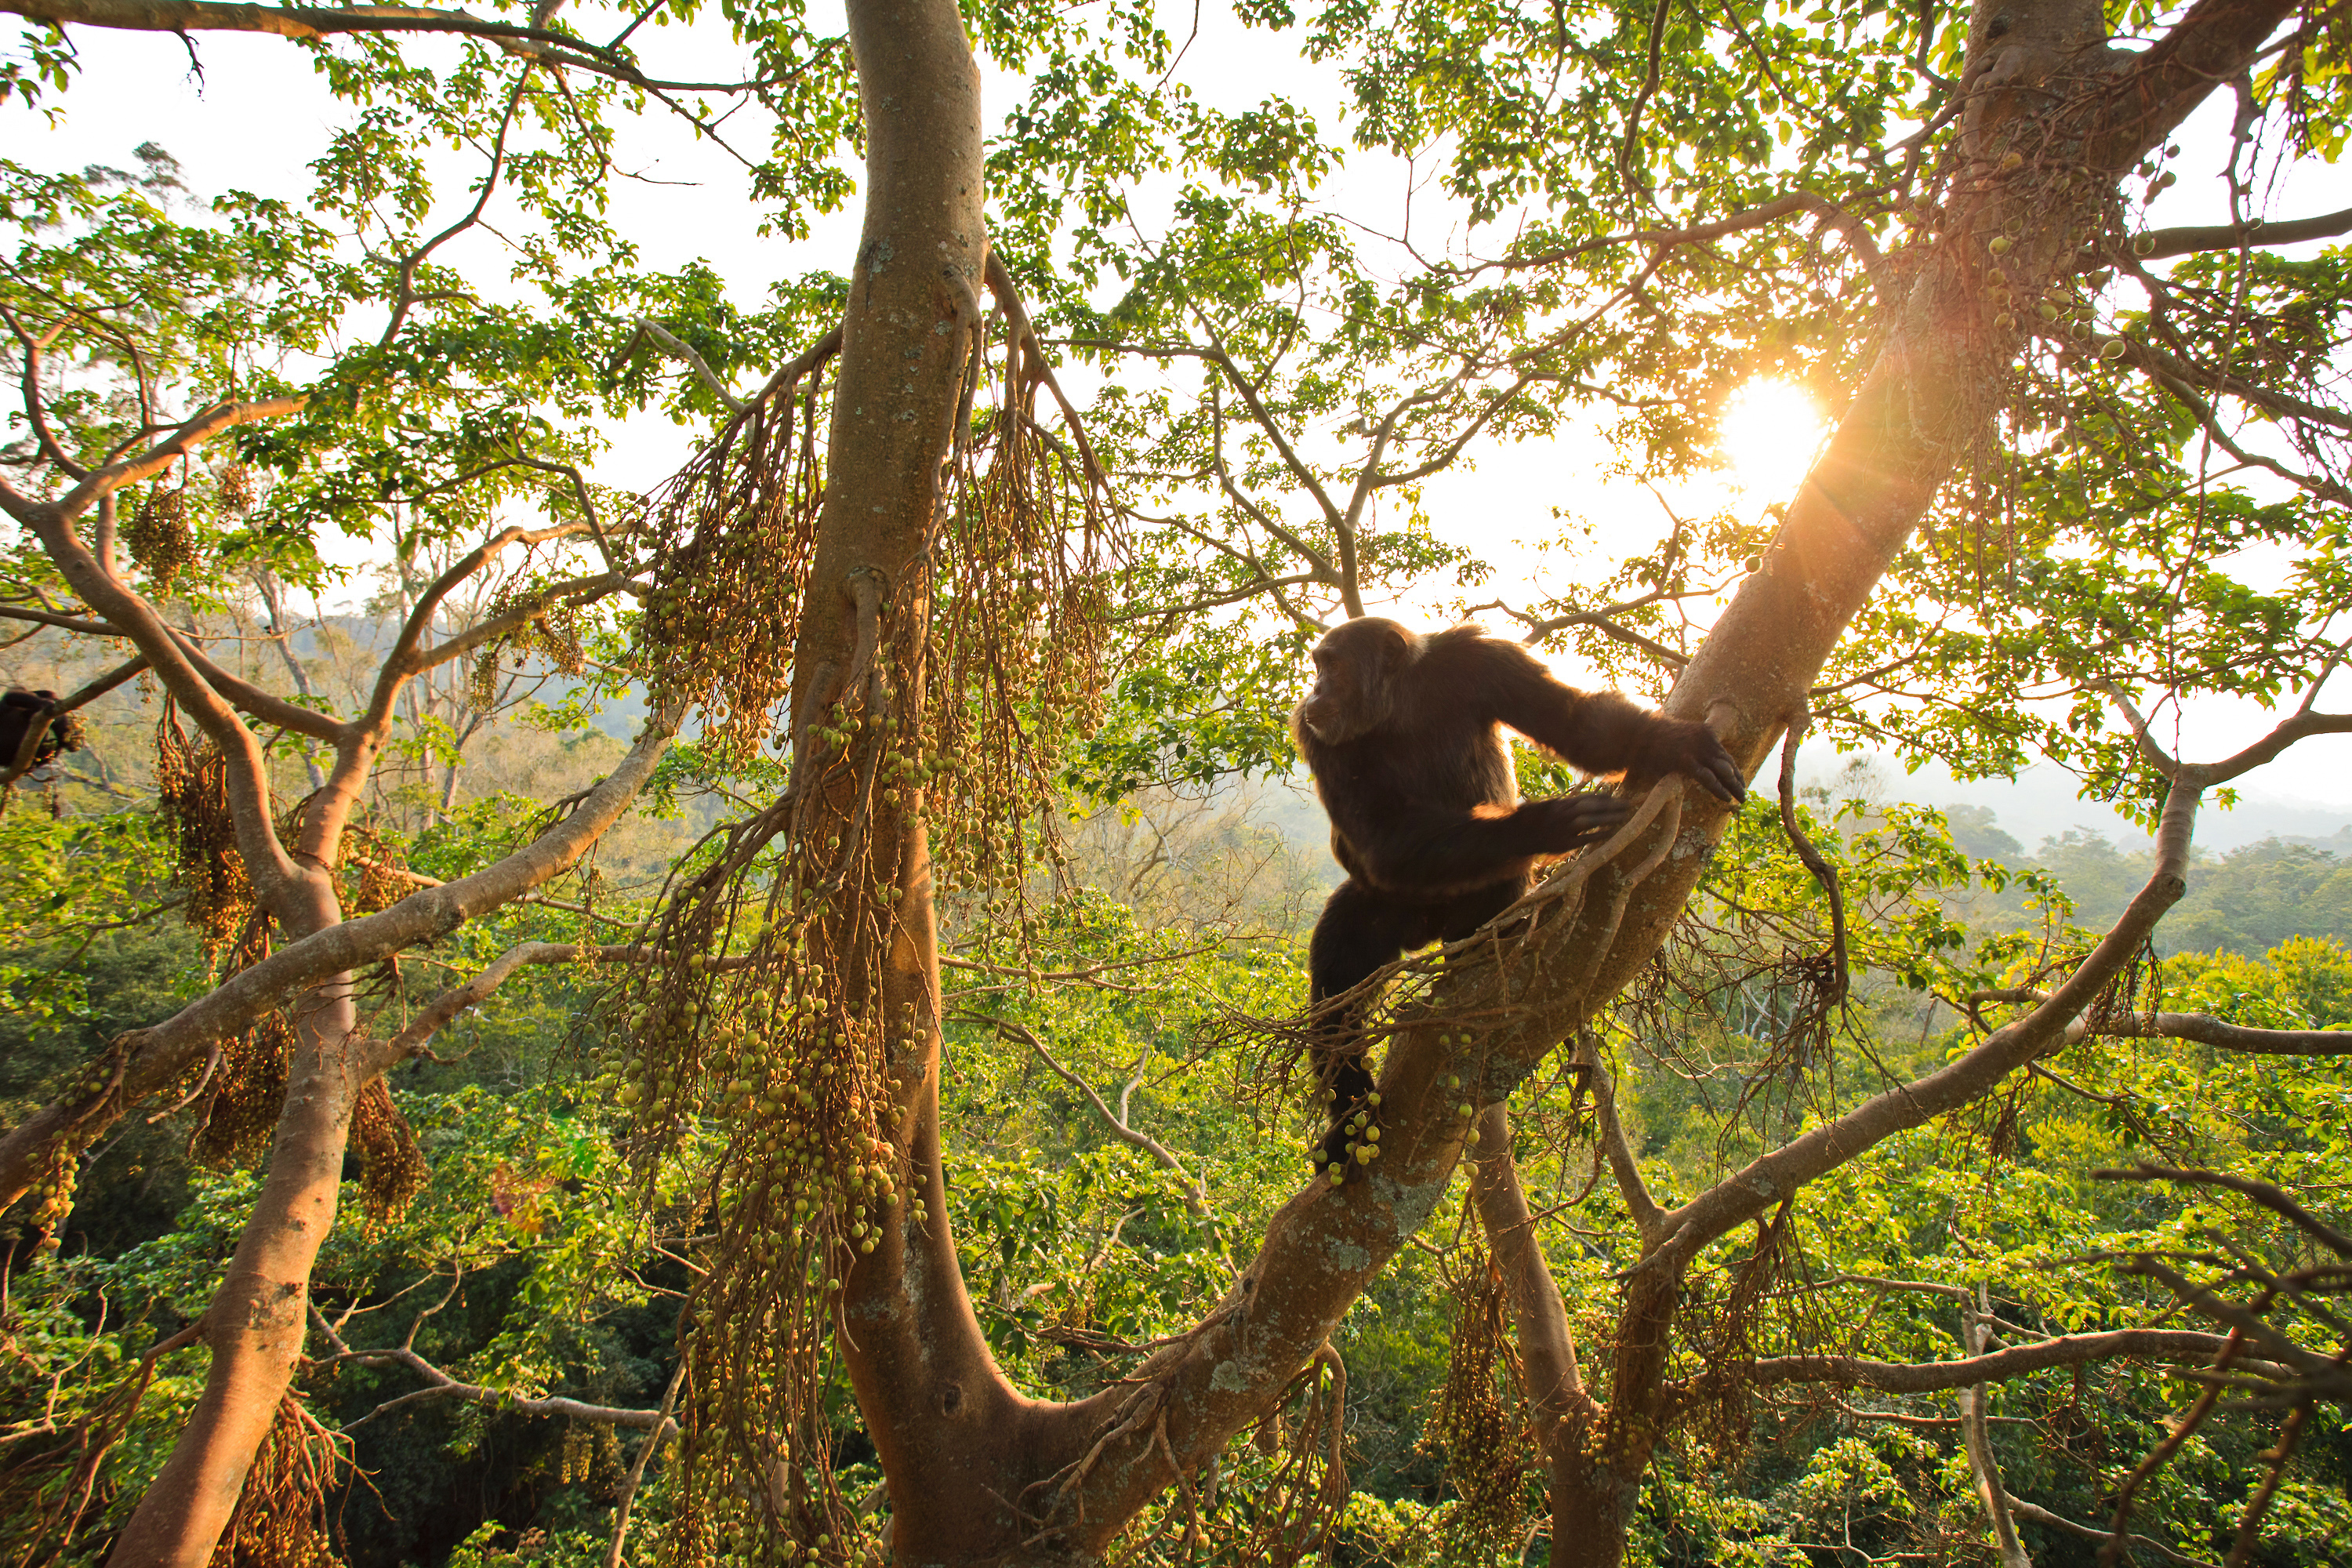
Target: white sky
x,y
258,113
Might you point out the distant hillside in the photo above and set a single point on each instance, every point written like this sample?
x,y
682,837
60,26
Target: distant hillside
x,y
2246,901
2042,803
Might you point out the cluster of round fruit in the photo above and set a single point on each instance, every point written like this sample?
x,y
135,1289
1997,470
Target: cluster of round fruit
x,y
1363,1127
801,1084
823,1546
192,799
2077,314
720,621
53,1200
1363,1139
162,536
854,1174
658,1068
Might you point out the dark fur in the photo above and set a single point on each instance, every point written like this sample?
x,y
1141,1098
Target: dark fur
x,y
1403,735
20,711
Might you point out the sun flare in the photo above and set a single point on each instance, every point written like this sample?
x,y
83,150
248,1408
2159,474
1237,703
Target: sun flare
x,y
1768,435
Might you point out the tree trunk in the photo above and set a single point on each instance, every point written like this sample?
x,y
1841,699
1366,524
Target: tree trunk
x,y
257,1319
956,1442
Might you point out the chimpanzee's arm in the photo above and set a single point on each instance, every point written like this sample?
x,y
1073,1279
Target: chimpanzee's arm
x,y
1433,853
1601,731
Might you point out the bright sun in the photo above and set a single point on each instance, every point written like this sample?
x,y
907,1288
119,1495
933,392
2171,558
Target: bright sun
x,y
1767,435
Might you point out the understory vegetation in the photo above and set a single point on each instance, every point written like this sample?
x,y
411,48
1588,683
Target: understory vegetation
x,y
526,1266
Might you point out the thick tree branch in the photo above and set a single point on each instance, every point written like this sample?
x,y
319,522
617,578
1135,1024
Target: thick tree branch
x,y
16,767
266,706
80,625
2207,1030
302,22
572,591
1649,1220
271,870
2157,89
2171,368
1781,1173
241,694
1975,1433
404,660
357,742
182,441
1554,1390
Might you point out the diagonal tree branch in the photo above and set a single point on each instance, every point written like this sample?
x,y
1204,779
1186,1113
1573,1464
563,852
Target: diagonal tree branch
x,y
1990,1366
16,767
2158,243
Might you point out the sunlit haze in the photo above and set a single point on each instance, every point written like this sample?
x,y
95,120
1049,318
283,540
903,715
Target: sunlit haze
x,y
1767,436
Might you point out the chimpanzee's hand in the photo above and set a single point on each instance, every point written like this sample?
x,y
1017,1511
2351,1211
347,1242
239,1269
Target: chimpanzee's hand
x,y
1693,749
1572,821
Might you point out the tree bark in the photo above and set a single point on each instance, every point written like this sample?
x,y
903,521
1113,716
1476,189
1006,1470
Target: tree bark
x,y
163,1052
256,1322
1546,1349
977,1472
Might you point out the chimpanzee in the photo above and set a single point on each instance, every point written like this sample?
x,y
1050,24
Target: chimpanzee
x,y
21,711
1400,732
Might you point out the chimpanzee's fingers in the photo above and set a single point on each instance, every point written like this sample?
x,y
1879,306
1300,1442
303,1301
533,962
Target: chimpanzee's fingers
x,y
1721,777
1599,816
1716,773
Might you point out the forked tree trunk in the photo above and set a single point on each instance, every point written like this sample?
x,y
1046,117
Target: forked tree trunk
x,y
966,1456
2049,97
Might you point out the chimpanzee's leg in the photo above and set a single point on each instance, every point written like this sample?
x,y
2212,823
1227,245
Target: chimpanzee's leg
x,y
1359,930
1467,911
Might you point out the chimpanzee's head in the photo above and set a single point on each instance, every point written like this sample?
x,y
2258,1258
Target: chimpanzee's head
x,y
1355,669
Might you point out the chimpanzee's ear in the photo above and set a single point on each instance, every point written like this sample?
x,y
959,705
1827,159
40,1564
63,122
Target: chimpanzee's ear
x,y
1397,649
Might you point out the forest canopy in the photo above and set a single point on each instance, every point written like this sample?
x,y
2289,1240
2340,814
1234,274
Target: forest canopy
x,y
653,875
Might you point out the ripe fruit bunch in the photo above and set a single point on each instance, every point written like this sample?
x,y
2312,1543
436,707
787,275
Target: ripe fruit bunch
x,y
764,1051
732,537
192,797
160,536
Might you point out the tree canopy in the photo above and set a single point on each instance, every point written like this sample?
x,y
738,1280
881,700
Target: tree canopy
x,y
757,1019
